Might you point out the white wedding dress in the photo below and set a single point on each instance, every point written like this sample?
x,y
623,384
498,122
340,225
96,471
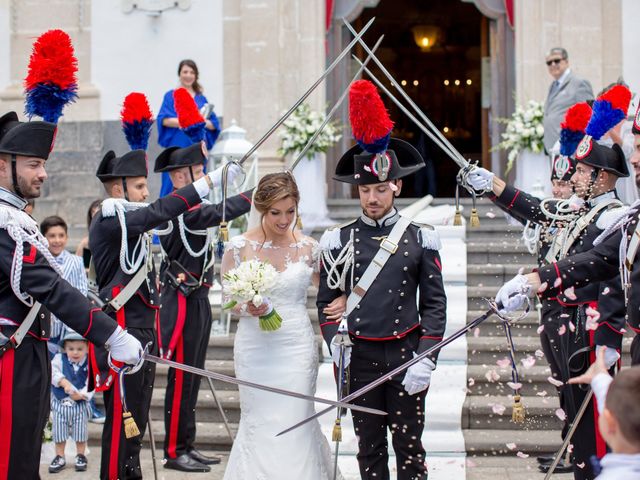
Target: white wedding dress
x,y
286,358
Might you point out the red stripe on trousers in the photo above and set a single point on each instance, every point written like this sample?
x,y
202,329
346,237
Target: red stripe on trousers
x,y
601,446
175,404
6,410
116,431
181,315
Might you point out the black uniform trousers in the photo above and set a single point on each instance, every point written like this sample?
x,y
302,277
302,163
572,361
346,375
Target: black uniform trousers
x,y
121,455
586,440
182,388
371,360
25,388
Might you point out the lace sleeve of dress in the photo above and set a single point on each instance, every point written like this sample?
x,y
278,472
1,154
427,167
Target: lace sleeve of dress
x,y
316,253
235,245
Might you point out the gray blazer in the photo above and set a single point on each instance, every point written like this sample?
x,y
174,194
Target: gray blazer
x,y
573,90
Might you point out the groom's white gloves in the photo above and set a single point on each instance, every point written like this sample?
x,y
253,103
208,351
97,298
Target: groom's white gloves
x,y
513,294
418,376
480,179
214,179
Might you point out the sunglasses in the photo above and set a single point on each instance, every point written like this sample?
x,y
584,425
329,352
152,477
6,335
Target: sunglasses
x,y
553,61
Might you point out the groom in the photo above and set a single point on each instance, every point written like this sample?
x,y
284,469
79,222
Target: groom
x,y
397,311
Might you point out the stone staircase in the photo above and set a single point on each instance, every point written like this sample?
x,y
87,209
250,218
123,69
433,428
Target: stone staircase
x,y
494,255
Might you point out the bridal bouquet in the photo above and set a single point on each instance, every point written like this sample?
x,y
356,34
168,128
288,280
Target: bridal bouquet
x,y
251,281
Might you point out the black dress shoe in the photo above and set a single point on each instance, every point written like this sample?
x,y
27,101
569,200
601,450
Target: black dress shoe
x,y
545,459
185,463
204,459
562,467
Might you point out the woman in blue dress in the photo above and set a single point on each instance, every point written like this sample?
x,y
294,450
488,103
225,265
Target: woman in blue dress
x,y
169,133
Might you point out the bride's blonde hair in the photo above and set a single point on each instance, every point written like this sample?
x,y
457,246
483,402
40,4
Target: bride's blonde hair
x,y
272,188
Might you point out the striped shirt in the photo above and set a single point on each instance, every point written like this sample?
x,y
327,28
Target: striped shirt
x,y
73,272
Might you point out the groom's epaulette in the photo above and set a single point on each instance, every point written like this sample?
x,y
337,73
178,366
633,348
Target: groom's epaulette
x,y
330,239
428,236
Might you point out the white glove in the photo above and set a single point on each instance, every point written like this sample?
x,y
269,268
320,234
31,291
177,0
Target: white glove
x,y
611,356
232,173
513,294
124,347
480,179
418,376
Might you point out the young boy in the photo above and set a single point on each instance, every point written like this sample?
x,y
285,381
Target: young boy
x,y
70,399
618,402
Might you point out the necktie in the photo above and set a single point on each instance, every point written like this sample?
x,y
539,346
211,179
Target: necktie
x,y
554,87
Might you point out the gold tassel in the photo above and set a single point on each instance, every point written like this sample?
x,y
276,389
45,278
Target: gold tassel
x,y
457,218
518,413
130,427
474,219
224,231
336,436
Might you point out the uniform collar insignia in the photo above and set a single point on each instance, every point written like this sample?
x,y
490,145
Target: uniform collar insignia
x,y
389,219
601,198
12,199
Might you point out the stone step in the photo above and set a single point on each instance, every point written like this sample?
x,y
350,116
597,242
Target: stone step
x,y
207,409
219,366
483,253
478,413
493,442
534,380
479,275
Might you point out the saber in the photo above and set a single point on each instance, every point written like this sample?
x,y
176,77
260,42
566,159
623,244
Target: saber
x,y
246,383
152,441
329,69
220,409
335,107
572,430
343,342
443,343
453,152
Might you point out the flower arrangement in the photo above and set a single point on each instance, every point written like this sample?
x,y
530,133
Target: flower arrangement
x,y
251,281
524,131
300,127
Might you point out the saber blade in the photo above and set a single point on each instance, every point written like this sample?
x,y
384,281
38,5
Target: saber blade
x,y
246,383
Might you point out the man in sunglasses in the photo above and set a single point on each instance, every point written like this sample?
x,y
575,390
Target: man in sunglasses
x,y
565,90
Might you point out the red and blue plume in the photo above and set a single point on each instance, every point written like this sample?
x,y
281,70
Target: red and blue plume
x,y
370,122
608,110
573,128
51,82
191,121
137,120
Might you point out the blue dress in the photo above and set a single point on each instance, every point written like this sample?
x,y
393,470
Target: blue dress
x,y
174,137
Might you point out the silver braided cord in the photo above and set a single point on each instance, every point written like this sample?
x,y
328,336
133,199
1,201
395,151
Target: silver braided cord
x,y
620,221
531,236
130,262
336,276
565,210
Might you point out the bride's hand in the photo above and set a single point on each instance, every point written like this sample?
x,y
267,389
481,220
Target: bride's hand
x,y
257,311
336,308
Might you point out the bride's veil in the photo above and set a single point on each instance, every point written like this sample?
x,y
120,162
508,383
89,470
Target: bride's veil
x,y
254,216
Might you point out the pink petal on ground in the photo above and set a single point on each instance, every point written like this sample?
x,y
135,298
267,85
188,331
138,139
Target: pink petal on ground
x,y
562,330
470,463
570,293
539,353
504,362
511,446
561,415
522,455
528,362
514,385
542,393
492,376
490,215
498,408
476,332
540,329
471,382
554,382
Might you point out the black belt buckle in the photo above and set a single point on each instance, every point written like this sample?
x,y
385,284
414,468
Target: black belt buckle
x,y
6,343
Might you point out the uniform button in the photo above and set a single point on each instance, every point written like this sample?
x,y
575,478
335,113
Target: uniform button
x,y
406,241
399,307
357,265
43,333
357,319
405,268
404,282
357,230
358,306
402,294
396,321
357,332
406,254
395,332
357,240
42,315
357,252
151,302
390,291
357,278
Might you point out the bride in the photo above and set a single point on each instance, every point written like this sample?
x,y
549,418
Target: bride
x,y
285,358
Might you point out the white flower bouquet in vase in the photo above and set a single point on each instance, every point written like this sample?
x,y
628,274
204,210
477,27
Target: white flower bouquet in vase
x,y
252,281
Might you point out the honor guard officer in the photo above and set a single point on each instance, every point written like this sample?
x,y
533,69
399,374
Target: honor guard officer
x,y
126,279
386,322
29,276
185,317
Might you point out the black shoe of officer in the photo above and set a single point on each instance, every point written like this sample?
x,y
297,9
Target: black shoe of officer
x,y
204,459
57,464
81,463
185,463
562,467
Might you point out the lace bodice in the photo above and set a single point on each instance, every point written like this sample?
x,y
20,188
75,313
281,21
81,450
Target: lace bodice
x,y
296,265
